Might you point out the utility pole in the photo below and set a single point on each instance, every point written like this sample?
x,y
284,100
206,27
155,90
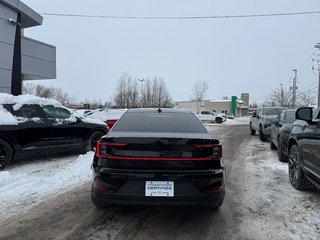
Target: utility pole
x,y
294,88
318,46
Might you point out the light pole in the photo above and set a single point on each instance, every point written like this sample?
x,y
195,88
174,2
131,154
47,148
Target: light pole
x,y
141,80
318,46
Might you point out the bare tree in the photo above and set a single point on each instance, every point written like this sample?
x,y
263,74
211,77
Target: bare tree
x,y
284,98
127,92
48,92
307,99
153,94
199,91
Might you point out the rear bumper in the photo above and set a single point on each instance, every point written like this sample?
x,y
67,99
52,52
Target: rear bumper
x,y
128,187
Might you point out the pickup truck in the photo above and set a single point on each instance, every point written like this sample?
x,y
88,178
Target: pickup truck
x,y
209,116
260,121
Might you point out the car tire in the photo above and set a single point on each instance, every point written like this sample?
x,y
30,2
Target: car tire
x,y
272,146
261,135
6,154
296,174
93,139
218,120
281,156
252,131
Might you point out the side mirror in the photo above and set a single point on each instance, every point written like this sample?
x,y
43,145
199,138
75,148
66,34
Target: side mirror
x,y
304,113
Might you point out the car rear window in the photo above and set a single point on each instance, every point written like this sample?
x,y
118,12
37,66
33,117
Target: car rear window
x,y
159,122
270,111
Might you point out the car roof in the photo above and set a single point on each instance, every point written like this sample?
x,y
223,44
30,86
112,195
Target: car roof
x,y
156,110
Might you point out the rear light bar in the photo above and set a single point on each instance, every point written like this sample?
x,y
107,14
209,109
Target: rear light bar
x,y
157,158
101,152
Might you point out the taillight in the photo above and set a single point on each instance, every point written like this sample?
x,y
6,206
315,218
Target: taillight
x,y
217,188
217,149
101,149
204,146
111,122
100,187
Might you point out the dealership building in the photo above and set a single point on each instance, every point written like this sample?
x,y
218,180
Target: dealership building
x,y
22,58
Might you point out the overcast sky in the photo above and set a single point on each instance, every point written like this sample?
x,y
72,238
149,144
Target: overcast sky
x,y
233,55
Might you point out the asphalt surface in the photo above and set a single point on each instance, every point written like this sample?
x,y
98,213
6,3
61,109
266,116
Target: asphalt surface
x,y
257,206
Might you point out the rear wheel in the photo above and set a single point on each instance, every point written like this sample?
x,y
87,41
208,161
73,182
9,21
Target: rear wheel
x,y
261,134
6,154
296,174
94,138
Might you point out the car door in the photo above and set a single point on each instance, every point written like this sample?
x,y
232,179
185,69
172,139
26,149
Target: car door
x,y
31,132
206,116
289,118
66,129
310,149
274,128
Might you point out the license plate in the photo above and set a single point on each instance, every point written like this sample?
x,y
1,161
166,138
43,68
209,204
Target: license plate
x,y
159,189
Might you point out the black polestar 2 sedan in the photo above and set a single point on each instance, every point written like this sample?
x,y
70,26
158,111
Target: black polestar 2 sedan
x,y
158,157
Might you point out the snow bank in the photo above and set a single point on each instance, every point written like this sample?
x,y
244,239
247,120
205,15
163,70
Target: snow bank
x,y
28,184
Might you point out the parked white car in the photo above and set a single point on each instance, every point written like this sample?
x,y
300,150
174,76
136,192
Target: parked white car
x,y
209,116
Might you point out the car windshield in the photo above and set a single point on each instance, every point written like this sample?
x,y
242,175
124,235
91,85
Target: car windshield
x,y
270,111
155,122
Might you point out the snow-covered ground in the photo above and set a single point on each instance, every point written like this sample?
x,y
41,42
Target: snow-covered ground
x,y
26,184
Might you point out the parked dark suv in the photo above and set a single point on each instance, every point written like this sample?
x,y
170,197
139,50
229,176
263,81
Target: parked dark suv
x,y
158,157
279,133
31,125
304,150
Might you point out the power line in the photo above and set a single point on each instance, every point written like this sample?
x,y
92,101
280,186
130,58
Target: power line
x,y
182,17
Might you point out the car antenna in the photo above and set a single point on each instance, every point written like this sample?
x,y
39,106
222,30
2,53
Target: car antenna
x,y
159,110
